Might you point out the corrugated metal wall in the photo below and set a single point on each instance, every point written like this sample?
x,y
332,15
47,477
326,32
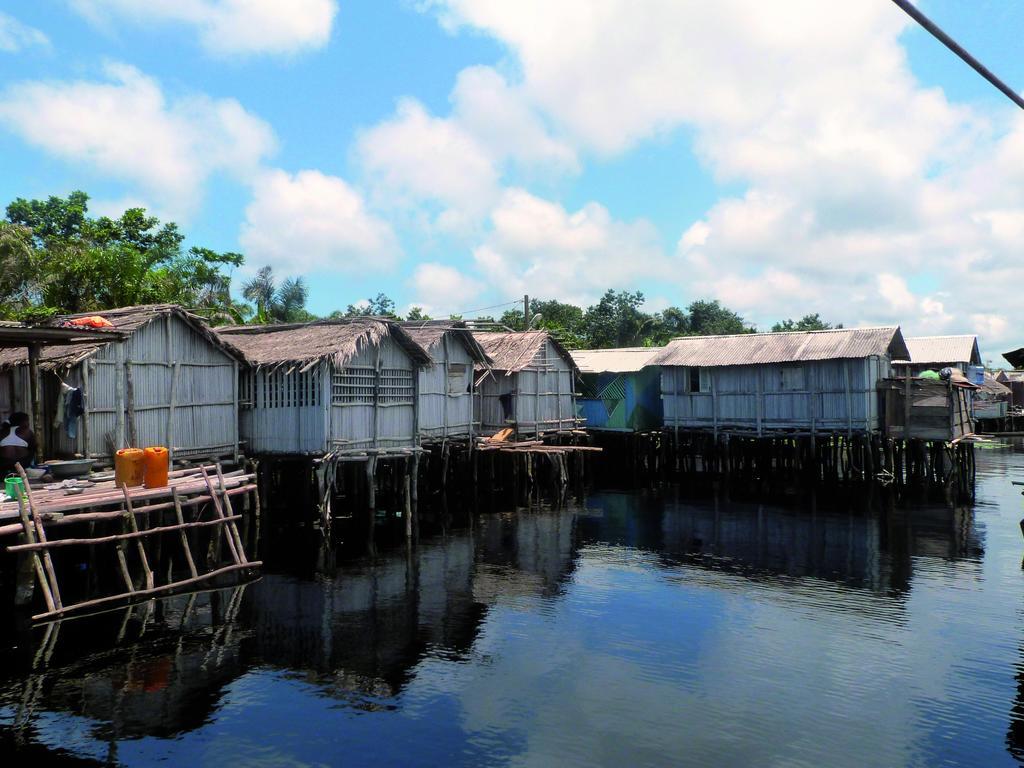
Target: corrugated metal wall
x,y
445,393
539,398
819,396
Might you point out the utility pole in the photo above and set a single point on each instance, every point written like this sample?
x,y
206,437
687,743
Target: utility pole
x,y
526,312
933,28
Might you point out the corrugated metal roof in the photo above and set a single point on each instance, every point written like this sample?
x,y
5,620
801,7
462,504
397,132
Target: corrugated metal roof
x,y
760,348
944,349
622,360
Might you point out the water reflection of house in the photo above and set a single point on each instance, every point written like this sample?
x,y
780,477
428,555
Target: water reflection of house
x,y
863,548
365,630
159,670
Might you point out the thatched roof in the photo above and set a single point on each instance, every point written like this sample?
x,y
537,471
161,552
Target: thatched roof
x,y
125,320
429,334
305,344
511,351
786,347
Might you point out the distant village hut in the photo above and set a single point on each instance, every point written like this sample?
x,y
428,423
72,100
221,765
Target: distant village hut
x,y
332,386
446,387
166,380
620,391
991,403
933,353
796,382
531,385
1014,380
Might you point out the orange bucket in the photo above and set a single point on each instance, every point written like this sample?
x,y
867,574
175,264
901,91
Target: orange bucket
x,y
129,467
156,466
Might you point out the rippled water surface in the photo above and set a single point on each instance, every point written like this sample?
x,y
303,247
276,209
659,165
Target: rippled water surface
x,y
630,629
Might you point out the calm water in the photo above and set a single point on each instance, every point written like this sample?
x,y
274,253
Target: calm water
x,y
634,629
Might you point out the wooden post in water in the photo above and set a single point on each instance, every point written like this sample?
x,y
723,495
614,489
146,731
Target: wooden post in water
x,y
371,503
407,497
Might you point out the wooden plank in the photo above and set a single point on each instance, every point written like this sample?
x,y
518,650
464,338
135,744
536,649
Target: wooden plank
x,y
179,515
132,535
147,592
176,368
86,430
129,390
36,396
232,528
220,513
40,535
129,517
37,562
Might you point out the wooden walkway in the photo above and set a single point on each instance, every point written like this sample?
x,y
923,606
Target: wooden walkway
x,y
190,493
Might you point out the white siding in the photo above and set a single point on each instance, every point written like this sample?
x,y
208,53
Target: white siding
x,y
818,396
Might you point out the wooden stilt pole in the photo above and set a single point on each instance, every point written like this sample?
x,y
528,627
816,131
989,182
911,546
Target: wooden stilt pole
x,y
37,523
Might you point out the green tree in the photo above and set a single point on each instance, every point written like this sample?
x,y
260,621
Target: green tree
x,y
417,314
617,321
380,305
284,303
17,277
805,323
564,321
78,263
710,318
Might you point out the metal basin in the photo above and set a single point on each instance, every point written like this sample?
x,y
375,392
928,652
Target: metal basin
x,y
71,468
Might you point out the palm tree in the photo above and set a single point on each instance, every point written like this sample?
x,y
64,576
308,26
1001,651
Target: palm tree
x,y
279,304
260,291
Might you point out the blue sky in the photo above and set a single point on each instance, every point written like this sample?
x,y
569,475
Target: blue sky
x,y
810,157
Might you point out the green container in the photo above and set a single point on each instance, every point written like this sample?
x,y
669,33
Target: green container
x,y
10,486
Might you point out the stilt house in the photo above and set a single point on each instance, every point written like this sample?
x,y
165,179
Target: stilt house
x,y
447,385
760,383
619,390
531,384
333,386
167,380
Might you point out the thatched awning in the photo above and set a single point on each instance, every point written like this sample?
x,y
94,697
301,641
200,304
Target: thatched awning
x,y
430,333
125,321
305,344
512,351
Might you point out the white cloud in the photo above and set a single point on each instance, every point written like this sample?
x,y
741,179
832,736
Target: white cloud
x,y
128,129
16,36
313,222
500,117
536,246
860,185
228,27
453,166
415,157
439,288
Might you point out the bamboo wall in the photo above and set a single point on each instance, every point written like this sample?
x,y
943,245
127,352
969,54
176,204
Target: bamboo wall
x,y
813,396
387,423
364,405
446,393
542,396
165,385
